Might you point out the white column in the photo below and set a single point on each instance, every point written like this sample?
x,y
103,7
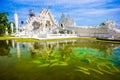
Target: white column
x,y
16,21
11,28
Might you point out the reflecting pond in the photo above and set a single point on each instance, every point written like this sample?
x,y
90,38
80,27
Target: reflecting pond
x,y
60,60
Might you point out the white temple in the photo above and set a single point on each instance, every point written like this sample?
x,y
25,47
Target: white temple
x,y
44,26
41,26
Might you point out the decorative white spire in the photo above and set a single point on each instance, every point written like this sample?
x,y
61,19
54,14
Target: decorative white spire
x,y
16,21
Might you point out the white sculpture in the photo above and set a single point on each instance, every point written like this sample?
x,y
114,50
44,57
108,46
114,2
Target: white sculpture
x,y
6,31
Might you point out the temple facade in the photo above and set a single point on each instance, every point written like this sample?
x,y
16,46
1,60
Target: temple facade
x,y
42,23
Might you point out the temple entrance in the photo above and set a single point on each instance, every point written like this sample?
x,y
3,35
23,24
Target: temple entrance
x,y
48,24
36,25
62,25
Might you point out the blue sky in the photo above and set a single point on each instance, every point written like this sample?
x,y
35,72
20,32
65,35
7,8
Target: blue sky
x,y
84,12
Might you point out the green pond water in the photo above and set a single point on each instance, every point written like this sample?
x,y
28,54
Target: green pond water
x,y
60,60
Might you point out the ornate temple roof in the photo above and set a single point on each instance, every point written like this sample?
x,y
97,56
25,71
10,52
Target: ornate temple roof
x,y
66,21
43,15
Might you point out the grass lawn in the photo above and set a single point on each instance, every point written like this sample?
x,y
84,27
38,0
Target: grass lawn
x,y
50,40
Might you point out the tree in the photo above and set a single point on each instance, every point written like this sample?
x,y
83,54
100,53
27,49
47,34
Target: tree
x,y
103,24
4,23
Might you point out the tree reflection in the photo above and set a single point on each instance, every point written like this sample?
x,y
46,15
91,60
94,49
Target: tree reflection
x,y
4,48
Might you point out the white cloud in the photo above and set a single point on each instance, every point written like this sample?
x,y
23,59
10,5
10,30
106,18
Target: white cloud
x,y
61,2
102,11
93,11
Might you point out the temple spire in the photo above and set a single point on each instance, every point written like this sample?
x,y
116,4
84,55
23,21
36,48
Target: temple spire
x,y
31,13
